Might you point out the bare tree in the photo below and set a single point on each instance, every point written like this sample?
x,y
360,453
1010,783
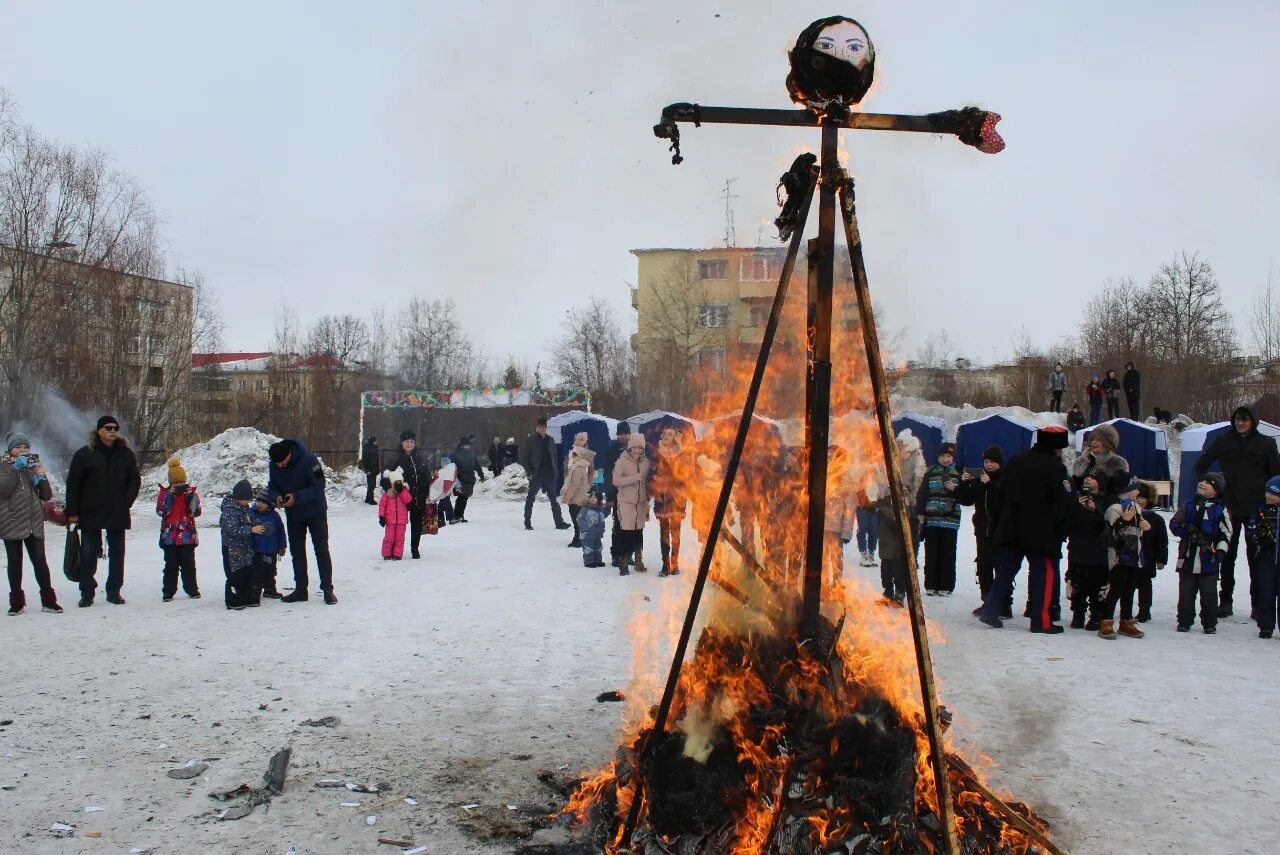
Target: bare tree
x,y
435,352
592,352
672,338
1264,323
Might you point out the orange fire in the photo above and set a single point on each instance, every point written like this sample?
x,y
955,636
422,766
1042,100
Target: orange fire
x,y
751,606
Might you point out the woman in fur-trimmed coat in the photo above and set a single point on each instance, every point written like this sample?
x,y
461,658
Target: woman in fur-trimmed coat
x,y
579,469
631,477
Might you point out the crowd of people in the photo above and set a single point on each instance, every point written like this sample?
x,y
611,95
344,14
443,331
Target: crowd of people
x,y
1031,509
1099,391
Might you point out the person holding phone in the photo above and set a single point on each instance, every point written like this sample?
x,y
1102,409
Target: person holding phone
x,y
984,491
23,487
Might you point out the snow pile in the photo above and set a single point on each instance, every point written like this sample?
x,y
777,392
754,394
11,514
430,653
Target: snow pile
x,y
511,485
215,466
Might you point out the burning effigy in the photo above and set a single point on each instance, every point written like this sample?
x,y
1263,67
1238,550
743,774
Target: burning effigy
x,y
800,716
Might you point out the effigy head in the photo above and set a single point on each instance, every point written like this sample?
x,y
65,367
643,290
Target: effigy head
x,y
832,64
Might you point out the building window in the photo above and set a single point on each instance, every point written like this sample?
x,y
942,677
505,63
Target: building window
x,y
155,376
754,268
713,316
259,385
131,346
760,314
711,360
241,385
713,269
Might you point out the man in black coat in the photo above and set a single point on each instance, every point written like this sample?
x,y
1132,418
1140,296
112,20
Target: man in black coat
x,y
418,475
295,482
1132,382
371,464
1248,458
539,462
102,485
464,457
1033,525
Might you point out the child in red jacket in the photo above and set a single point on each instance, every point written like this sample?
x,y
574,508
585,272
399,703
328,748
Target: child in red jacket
x,y
393,514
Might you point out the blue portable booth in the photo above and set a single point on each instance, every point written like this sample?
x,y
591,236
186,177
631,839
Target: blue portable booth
x,y
600,431
1144,446
1194,441
652,425
930,431
972,438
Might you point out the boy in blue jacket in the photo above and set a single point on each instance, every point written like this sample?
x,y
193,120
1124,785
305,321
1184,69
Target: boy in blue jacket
x,y
269,543
1204,528
1264,529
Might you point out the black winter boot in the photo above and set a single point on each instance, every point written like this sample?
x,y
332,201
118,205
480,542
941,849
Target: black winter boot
x,y
1077,620
329,598
17,602
299,595
49,601
622,567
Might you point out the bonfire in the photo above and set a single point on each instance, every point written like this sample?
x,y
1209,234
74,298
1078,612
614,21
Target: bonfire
x,y
803,720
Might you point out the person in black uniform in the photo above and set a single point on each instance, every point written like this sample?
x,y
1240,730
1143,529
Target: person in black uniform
x,y
1032,526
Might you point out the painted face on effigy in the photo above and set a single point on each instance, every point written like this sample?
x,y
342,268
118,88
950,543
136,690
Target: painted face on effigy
x,y
847,41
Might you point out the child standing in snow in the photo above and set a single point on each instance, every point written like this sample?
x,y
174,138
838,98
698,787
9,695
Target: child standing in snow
x,y
393,514
1125,527
1155,549
268,546
939,513
591,531
237,546
1087,569
178,505
1264,528
1204,528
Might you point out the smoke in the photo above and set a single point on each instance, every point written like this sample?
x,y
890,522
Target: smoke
x,y
56,429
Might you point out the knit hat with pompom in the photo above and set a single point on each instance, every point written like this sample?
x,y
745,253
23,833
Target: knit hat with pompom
x,y
177,475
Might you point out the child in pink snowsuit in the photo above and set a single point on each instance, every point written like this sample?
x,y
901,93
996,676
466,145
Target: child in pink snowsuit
x,y
393,514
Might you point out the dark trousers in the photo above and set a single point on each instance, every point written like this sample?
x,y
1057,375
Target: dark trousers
x,y
669,541
1055,404
1204,584
460,507
1121,583
542,483
319,529
1087,584
939,558
893,577
868,529
446,512
90,549
238,590
1042,581
416,513
371,480
1113,408
35,549
1142,587
573,518
1095,413
1228,569
986,569
1135,405
1267,574
264,573
616,549
179,561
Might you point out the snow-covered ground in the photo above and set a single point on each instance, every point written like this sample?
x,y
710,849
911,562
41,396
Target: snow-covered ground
x,y
457,678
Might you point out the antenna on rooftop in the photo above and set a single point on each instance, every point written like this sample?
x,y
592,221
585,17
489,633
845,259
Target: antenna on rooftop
x,y
730,230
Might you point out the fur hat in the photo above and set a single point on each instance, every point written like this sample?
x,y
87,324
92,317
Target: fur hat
x,y
1107,435
1217,481
908,441
994,453
177,475
636,441
408,434
393,475
1147,490
16,439
279,452
242,490
947,448
1052,437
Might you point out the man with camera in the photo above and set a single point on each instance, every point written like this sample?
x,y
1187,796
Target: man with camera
x,y
102,485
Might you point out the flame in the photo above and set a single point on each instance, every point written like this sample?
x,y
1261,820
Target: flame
x,y
749,608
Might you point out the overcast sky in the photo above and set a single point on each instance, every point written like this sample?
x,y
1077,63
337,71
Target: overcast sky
x,y
339,155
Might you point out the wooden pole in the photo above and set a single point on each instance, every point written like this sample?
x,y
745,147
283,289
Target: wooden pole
x,y
889,444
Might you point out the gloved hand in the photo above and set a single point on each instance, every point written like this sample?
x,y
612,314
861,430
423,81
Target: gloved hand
x,y
382,521
21,462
